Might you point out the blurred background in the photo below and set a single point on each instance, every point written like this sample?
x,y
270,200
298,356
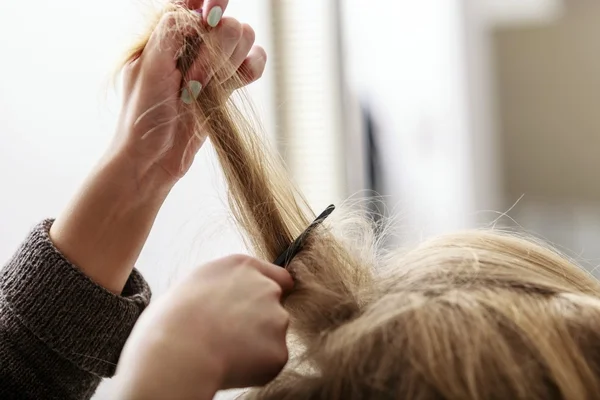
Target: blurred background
x,y
458,113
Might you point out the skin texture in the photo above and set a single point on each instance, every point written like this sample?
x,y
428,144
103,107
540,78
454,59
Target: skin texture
x,y
105,226
195,333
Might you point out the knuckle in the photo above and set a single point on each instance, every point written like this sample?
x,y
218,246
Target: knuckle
x,y
240,260
274,289
280,356
261,54
259,66
248,33
167,30
285,316
274,361
168,19
231,29
284,319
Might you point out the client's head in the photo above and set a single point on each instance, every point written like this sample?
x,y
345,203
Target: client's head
x,y
477,315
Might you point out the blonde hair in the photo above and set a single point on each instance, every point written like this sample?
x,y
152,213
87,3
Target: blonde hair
x,y
474,315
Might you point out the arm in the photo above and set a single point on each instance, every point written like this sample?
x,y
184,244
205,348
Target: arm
x,y
105,227
70,296
107,223
59,331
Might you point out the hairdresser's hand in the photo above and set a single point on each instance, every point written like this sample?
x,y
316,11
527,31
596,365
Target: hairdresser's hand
x,y
106,225
223,328
155,134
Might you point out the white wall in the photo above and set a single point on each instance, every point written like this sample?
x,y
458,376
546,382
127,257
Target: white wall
x,y
408,59
56,118
427,69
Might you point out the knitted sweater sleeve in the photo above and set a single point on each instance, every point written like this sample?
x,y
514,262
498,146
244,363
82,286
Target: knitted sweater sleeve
x,y
60,333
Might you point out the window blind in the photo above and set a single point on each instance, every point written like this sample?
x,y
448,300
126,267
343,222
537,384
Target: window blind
x,y
308,100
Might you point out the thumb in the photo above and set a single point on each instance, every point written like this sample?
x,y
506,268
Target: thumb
x,y
167,41
280,275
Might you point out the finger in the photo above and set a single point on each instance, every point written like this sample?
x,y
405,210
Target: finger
x,y
251,69
163,46
239,54
282,318
280,275
275,357
224,39
213,10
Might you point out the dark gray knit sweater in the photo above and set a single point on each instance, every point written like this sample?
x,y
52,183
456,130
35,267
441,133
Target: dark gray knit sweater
x,y
60,333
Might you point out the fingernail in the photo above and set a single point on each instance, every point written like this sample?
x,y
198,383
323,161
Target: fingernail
x,y
214,16
185,96
195,87
191,92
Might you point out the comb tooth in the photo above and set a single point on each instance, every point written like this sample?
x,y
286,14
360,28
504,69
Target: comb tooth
x,y
293,249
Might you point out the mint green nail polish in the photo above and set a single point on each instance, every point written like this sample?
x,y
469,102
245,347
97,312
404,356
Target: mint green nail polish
x,y
214,16
185,96
191,92
195,88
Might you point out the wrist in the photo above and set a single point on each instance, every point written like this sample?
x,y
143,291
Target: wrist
x,y
104,228
135,182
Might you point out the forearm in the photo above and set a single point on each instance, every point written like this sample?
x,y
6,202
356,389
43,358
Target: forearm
x,y
59,331
107,223
141,377
132,388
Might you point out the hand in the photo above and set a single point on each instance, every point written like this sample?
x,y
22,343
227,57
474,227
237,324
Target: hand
x,y
153,131
223,328
106,225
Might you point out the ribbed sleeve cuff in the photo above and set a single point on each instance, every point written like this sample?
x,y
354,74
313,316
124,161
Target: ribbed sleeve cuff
x,y
71,314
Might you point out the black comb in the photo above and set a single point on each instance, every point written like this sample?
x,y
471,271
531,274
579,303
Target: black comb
x,y
288,255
